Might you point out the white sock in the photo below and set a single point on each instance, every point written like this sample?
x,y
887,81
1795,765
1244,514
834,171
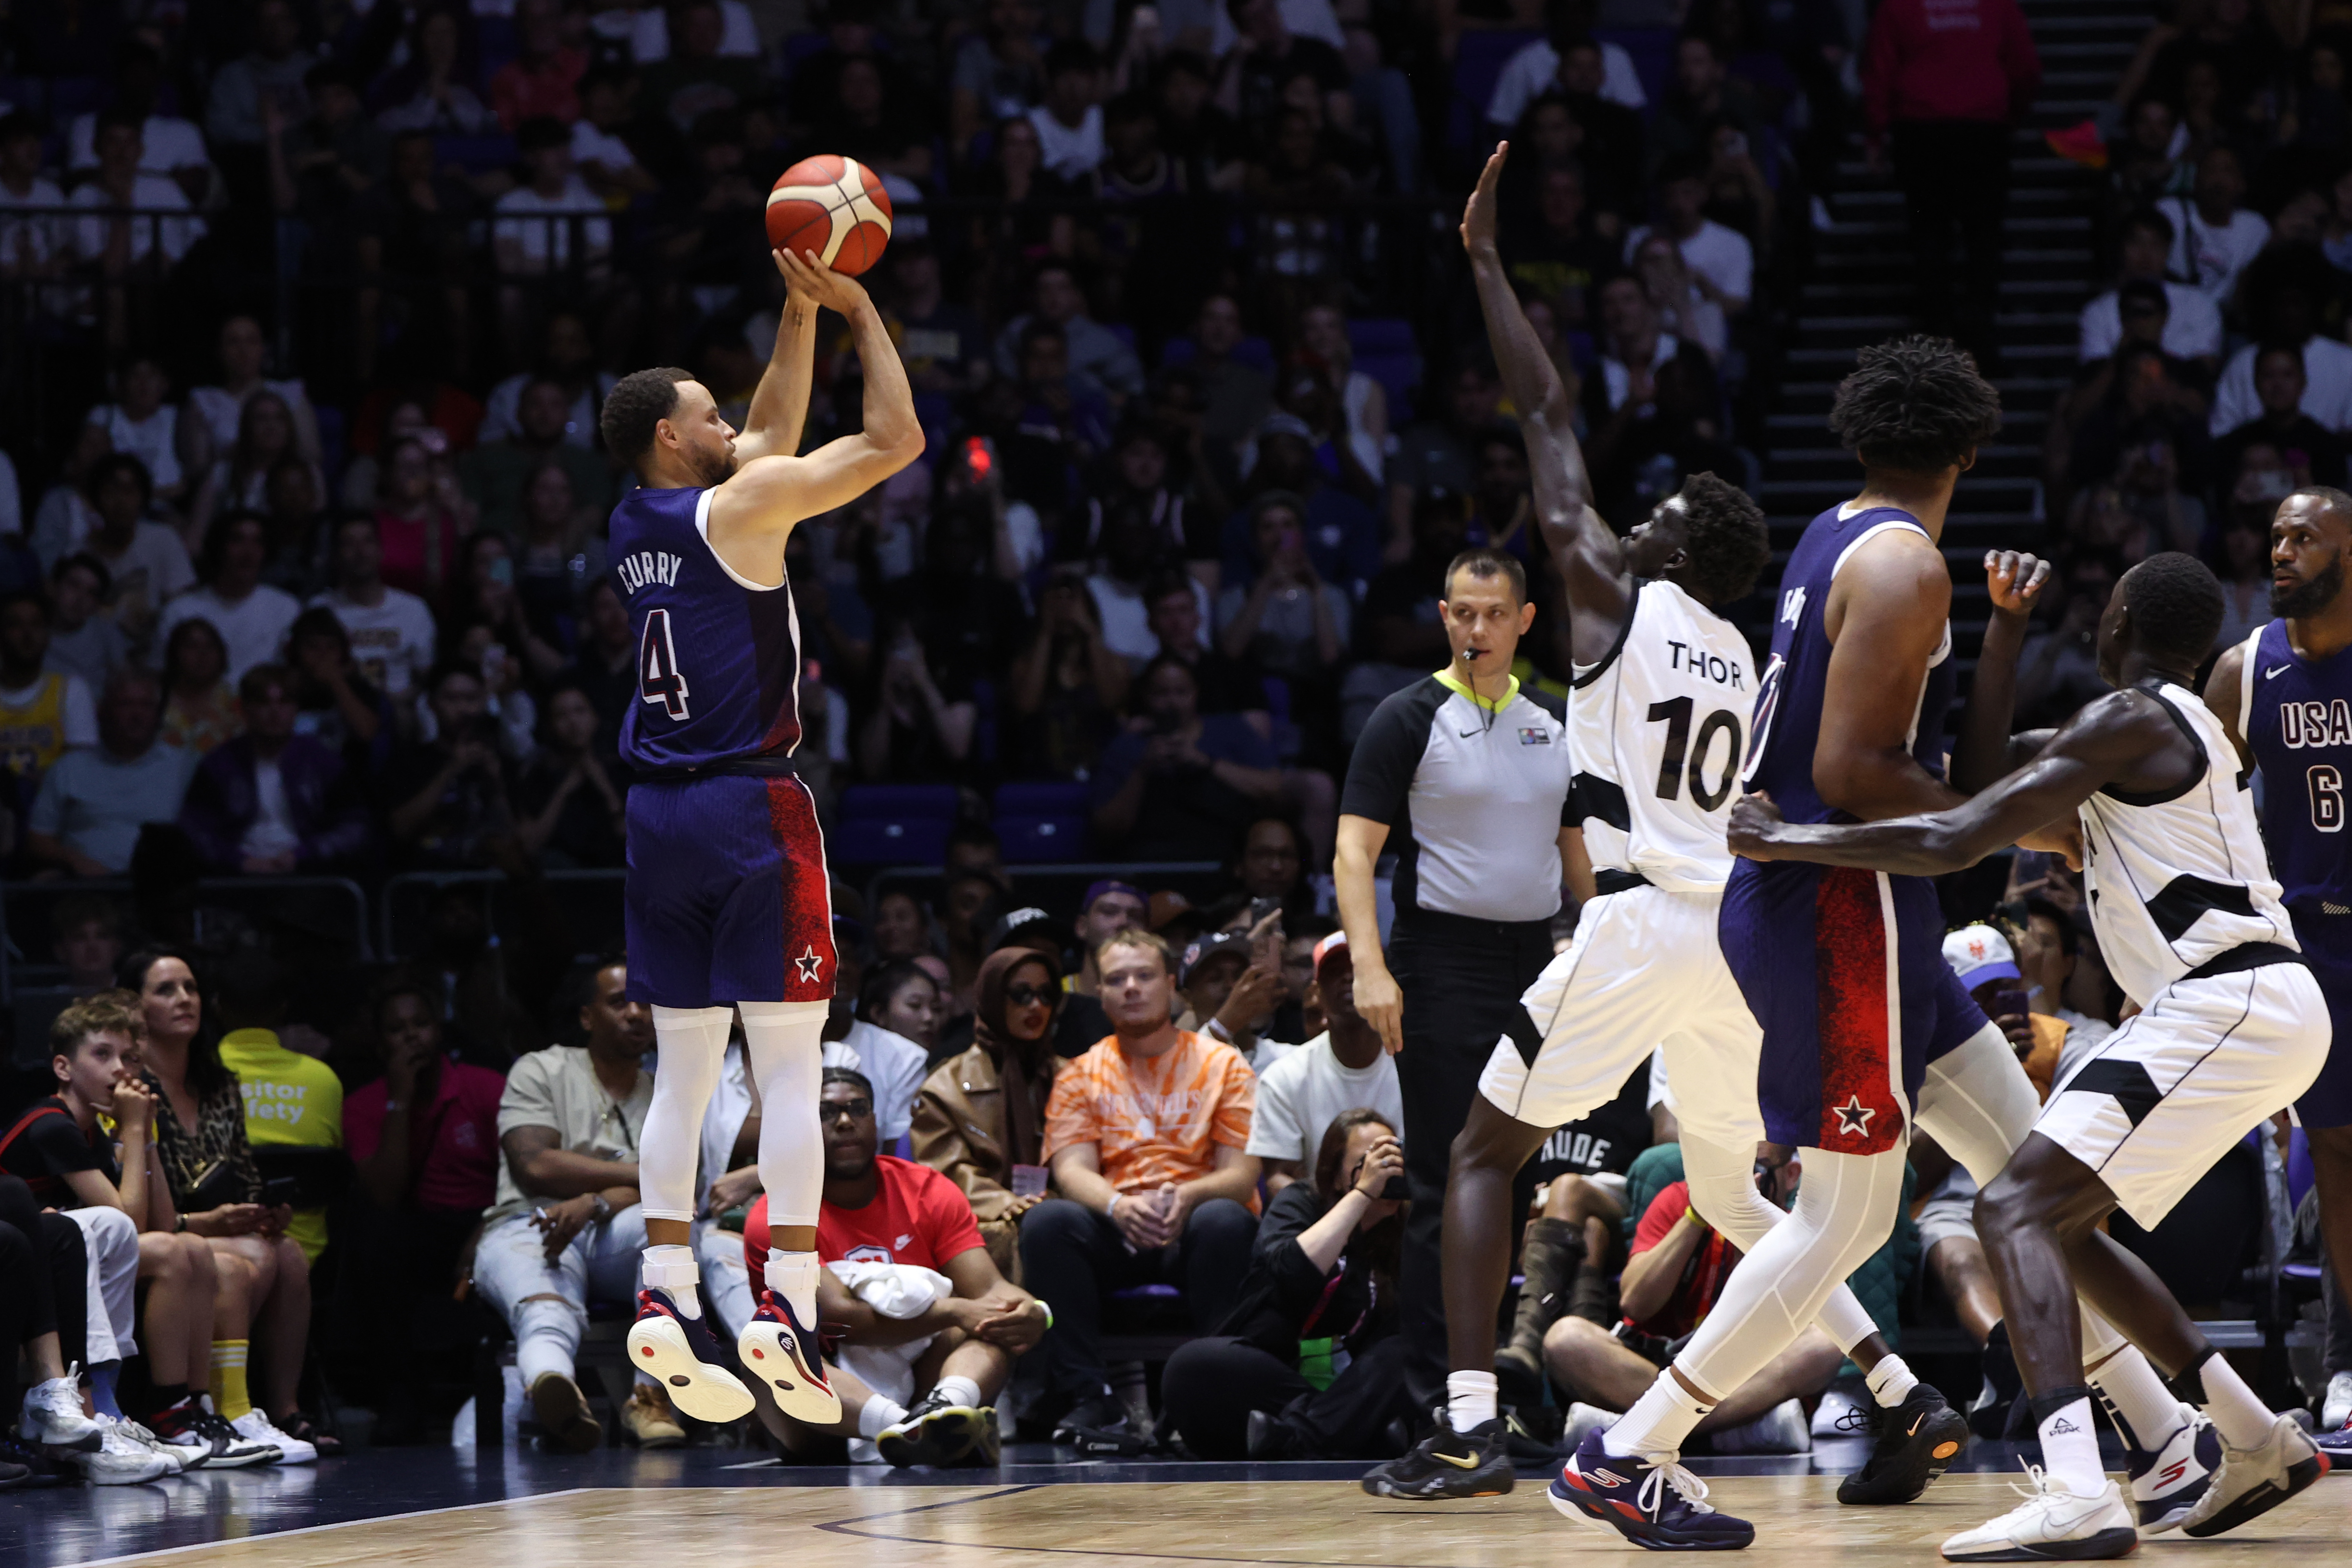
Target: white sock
x,y
2243,1420
2070,1448
880,1411
1658,1422
2136,1397
672,1269
1469,1399
1891,1381
961,1391
793,1276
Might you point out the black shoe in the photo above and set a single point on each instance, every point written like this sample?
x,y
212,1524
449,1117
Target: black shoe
x,y
1448,1464
1988,1417
1272,1438
1096,1415
32,1470
938,1431
1911,1444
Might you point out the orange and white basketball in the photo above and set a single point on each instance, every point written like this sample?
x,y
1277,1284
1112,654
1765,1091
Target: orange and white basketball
x,y
833,209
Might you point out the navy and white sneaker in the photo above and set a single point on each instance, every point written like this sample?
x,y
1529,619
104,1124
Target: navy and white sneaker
x,y
680,1352
778,1350
2253,1481
2336,1444
2167,1483
1654,1503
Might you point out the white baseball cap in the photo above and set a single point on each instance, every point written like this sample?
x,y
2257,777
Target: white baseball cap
x,y
1978,953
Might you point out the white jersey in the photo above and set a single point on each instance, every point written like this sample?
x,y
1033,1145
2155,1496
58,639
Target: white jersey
x,y
1656,729
2179,877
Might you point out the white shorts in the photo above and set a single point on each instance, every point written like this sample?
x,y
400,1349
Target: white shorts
x,y
1645,973
2151,1107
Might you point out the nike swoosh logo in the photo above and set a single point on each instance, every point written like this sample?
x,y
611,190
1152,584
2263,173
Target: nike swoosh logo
x,y
1915,1422
1469,1464
1468,733
2274,674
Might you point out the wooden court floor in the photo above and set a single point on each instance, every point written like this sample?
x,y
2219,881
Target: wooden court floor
x,y
1291,1524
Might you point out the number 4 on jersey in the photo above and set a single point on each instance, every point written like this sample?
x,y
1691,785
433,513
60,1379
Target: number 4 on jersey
x,y
660,680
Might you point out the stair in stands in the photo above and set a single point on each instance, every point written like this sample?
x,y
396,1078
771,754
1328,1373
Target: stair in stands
x,y
1860,292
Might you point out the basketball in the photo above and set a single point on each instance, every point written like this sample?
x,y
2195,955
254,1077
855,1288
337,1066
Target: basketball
x,y
832,209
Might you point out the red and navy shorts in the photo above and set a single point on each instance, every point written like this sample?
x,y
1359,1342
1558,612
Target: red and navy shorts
x,y
726,898
1844,971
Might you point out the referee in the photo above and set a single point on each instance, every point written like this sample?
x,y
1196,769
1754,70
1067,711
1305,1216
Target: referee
x,y
1468,781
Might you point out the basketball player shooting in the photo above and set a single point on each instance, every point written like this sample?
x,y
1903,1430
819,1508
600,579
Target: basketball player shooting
x,y
727,905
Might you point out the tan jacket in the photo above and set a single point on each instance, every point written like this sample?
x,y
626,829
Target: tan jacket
x,y
960,1128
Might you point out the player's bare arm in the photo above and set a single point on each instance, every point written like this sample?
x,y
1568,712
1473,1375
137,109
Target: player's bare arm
x,y
1590,555
751,513
778,411
1985,750
1355,851
2225,689
1884,618
2125,738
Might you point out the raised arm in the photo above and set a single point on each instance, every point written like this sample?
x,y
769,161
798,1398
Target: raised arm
x,y
1894,597
1986,750
1591,557
2125,738
780,403
754,511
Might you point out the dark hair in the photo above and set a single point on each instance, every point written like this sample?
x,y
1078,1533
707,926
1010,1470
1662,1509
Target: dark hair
x,y
261,678
884,981
1679,166
81,560
18,125
1165,584
216,551
447,669
2287,346
2146,288
1151,668
114,463
174,648
539,133
849,1075
2148,218
1727,541
1036,330
1070,55
117,117
2176,607
319,622
330,73
1128,106
969,831
1334,1147
1916,404
2070,941
1482,561
1191,62
206,1073
638,401
250,987
401,983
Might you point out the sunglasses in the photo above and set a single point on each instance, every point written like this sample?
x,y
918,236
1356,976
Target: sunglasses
x,y
835,1109
1027,996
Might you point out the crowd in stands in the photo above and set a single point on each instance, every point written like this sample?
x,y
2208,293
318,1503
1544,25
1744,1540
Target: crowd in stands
x,y
302,578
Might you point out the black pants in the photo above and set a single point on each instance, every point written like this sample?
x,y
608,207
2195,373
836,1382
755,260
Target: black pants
x,y
1955,180
396,1320
44,1277
2338,1357
1462,981
1211,1386
1071,1257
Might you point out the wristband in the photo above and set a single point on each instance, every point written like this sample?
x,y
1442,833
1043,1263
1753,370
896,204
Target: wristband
x,y
1110,1210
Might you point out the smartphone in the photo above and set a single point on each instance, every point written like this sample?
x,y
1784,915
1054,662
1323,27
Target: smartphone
x,y
2008,1002
1262,907
278,1192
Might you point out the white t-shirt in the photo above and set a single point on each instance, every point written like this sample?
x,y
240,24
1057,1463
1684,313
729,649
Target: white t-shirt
x,y
24,242
1535,70
645,29
221,408
150,440
1066,152
2210,258
148,193
254,628
166,142
589,145
2192,325
80,709
2326,390
1303,1093
391,642
1722,256
1126,629
543,225
1619,380
154,561
272,829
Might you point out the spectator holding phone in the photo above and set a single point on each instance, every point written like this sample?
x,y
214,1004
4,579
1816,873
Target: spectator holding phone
x,y
1308,1364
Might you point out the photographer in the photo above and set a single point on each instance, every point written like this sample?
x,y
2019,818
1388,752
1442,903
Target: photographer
x,y
1308,1365
1178,786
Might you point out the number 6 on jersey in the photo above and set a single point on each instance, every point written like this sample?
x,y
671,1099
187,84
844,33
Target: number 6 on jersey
x,y
660,680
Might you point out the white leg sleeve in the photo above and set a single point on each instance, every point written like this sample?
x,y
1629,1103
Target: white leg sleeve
x,y
1845,1210
1723,1187
787,1064
692,1043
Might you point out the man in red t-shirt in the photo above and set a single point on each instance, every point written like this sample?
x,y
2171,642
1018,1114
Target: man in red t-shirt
x,y
880,1211
1675,1273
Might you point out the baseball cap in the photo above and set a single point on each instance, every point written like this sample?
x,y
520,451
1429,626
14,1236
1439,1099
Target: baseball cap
x,y
1021,923
1110,884
1200,949
1978,953
1335,943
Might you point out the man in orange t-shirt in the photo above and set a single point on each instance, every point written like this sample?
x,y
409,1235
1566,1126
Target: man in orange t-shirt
x,y
1144,1135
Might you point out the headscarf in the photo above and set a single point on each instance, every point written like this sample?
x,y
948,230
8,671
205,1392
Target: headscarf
x,y
1018,1061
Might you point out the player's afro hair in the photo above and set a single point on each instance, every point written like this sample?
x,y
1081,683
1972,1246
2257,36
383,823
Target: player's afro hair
x,y
1916,404
638,401
1724,537
2176,608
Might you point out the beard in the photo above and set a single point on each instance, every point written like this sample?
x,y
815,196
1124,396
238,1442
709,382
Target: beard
x,y
715,466
2310,596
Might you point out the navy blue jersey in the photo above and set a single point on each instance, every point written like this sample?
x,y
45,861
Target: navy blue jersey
x,y
2295,715
718,655
1788,699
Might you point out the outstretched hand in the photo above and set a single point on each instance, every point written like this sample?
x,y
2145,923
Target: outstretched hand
x,y
809,278
1479,216
2015,579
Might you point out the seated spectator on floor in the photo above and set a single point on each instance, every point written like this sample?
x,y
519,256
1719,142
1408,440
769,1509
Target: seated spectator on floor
x,y
980,1118
1308,1364
1178,785
291,1100
252,617
2213,236
273,801
1107,907
1146,1196
930,1327
84,642
2315,452
1674,1271
1231,982
92,804
450,797
899,1009
1301,1093
424,1142
2192,320
567,1228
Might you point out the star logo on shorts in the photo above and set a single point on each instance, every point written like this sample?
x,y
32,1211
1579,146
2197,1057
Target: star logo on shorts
x,y
810,964
1853,1117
